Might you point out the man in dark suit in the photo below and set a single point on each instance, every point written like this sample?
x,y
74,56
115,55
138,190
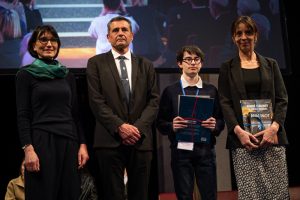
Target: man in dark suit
x,y
124,116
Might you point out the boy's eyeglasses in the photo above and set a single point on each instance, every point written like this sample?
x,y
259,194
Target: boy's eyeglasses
x,y
189,60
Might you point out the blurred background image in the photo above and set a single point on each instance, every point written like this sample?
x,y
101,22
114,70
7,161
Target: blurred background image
x,y
160,28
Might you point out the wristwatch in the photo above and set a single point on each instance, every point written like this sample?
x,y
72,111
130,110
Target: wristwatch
x,y
24,147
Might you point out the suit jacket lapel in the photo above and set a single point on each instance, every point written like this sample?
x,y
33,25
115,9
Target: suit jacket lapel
x,y
134,72
113,68
237,77
264,72
265,76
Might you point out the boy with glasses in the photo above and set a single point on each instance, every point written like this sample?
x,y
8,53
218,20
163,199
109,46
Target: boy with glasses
x,y
191,159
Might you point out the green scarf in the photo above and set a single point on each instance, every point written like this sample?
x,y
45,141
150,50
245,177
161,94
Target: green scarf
x,y
40,69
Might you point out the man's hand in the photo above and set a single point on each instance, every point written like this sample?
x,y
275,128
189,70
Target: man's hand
x,y
129,134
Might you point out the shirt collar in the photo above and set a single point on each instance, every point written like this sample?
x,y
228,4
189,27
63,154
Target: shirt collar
x,y
116,54
186,84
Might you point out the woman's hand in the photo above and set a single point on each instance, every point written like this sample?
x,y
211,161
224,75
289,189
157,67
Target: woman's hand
x,y
83,155
269,135
248,140
32,163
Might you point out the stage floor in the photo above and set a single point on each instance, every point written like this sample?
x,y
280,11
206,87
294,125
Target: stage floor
x,y
232,195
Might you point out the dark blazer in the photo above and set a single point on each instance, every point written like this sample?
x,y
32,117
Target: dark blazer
x,y
232,90
108,101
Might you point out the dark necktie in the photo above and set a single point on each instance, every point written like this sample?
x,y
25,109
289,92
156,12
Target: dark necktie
x,y
124,77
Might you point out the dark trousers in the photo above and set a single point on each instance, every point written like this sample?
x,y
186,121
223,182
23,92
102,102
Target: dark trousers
x,y
188,165
112,163
58,178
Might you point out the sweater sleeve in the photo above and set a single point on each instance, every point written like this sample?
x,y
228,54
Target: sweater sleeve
x,y
23,104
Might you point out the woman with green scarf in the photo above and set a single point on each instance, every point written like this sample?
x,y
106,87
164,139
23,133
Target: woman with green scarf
x,y
48,122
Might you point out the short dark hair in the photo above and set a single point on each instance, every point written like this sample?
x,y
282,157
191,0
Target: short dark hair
x,y
38,31
112,4
191,49
248,21
118,18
